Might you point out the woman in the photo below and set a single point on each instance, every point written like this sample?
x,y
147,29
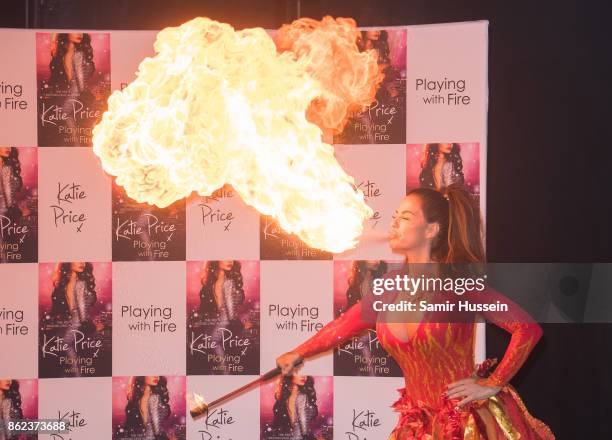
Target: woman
x,y
72,71
441,166
74,293
359,285
147,408
18,206
389,94
222,291
378,40
72,301
72,64
221,297
374,40
442,398
10,407
10,183
295,408
360,279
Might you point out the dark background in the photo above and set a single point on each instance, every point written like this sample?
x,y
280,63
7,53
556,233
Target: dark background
x,y
548,181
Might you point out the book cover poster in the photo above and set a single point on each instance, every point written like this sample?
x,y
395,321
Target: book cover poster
x,y
73,76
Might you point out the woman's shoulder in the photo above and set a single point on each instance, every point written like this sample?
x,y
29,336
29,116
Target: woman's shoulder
x,y
368,299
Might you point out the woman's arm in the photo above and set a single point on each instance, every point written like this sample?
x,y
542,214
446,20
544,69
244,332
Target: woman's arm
x,y
525,334
91,297
355,320
11,184
156,413
303,416
350,324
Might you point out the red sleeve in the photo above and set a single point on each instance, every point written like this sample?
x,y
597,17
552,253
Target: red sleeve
x,y
350,324
525,334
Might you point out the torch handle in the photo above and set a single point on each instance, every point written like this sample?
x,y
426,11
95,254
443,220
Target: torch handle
x,y
275,372
201,409
263,378
270,374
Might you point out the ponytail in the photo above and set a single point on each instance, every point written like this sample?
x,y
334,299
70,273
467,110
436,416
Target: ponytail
x,y
464,227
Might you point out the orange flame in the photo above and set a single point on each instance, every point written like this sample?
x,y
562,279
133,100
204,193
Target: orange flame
x,y
216,106
349,77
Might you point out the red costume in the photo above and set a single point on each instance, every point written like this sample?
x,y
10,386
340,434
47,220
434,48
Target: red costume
x,y
438,352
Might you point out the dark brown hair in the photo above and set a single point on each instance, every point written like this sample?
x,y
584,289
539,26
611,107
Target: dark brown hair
x,y
356,277
61,278
59,48
208,305
429,159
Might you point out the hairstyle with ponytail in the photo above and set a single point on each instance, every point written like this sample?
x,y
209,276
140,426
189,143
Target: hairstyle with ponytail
x,y
458,215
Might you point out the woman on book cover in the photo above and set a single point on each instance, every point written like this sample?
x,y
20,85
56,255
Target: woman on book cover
x,y
148,406
441,166
221,301
295,408
10,408
72,302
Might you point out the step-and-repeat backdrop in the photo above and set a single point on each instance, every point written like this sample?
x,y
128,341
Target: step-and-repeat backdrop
x,y
111,310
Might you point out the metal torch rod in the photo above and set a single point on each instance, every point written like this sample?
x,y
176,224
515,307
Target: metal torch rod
x,y
201,408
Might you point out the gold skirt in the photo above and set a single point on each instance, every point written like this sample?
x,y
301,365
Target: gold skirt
x,y
500,417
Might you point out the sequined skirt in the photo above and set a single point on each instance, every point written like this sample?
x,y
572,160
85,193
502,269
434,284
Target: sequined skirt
x,y
500,417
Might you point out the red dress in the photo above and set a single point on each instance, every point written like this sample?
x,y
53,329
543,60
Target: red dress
x,y
437,353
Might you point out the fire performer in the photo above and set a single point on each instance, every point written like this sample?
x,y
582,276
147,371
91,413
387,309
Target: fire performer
x,y
443,398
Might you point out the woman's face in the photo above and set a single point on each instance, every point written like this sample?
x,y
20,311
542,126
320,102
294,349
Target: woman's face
x,y
226,265
373,35
5,151
299,380
151,380
75,38
5,384
445,148
409,228
77,266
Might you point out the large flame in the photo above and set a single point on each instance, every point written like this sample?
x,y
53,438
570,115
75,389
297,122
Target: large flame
x,y
349,78
215,106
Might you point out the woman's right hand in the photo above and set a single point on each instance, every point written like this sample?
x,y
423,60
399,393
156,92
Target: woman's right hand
x,y
288,362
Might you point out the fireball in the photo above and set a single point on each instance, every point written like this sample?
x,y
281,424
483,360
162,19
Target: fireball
x,y
216,106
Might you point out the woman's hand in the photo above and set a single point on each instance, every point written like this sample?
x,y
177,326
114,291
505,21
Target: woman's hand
x,y
470,390
288,362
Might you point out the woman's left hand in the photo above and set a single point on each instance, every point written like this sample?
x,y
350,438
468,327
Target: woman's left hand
x,y
470,390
